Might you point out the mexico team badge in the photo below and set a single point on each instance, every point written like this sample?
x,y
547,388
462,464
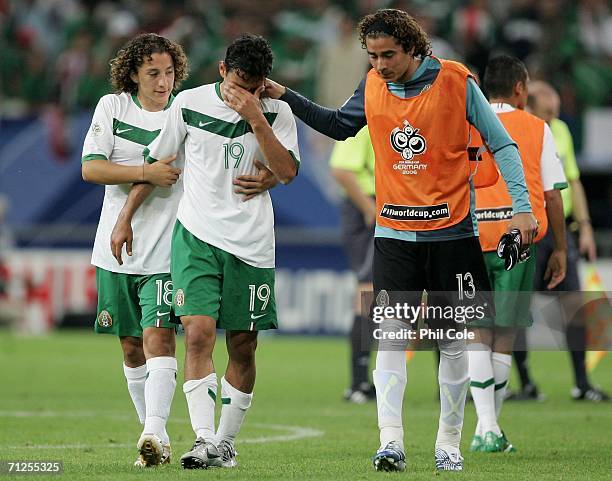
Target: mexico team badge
x,y
179,299
105,319
382,299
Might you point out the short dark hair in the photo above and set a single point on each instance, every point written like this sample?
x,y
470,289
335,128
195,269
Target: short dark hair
x,y
404,28
250,56
134,53
502,74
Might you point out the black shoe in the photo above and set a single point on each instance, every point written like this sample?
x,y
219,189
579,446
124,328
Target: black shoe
x,y
590,393
529,392
366,392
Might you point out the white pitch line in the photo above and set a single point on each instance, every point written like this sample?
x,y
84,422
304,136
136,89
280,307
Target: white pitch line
x,y
289,433
57,414
294,433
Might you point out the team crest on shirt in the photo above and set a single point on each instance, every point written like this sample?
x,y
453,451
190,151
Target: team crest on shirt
x,y
382,299
97,129
105,319
407,141
179,298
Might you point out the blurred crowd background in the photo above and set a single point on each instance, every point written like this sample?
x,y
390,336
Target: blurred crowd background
x,y
54,66
57,51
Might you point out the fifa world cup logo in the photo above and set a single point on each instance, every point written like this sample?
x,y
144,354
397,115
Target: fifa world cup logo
x,y
407,141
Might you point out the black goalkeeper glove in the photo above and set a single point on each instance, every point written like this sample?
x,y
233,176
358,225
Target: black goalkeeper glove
x,y
511,249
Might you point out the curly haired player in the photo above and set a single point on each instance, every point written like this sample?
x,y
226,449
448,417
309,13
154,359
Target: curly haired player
x,y
134,285
133,299
420,111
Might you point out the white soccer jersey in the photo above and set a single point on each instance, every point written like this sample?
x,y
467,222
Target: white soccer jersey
x,y
219,146
120,130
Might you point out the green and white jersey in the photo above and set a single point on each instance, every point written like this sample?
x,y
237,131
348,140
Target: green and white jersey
x,y
219,146
120,130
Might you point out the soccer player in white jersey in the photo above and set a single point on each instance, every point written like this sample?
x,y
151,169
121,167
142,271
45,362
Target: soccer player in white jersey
x,y
134,296
222,248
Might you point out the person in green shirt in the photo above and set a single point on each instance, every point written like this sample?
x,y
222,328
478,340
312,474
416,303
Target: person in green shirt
x,y
545,103
352,165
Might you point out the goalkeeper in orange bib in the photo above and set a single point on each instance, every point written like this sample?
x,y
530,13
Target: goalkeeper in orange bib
x,y
420,111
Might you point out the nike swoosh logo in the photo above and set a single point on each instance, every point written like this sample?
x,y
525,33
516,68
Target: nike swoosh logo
x,y
122,131
159,314
202,124
257,317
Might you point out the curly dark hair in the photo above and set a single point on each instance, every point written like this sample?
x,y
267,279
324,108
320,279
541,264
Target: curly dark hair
x,y
401,26
250,56
133,54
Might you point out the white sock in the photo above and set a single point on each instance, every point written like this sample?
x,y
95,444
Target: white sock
x,y
501,373
136,377
159,391
201,395
482,387
454,382
234,407
390,381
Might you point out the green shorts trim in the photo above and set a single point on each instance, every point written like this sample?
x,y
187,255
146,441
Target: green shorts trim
x,y
209,281
513,291
129,303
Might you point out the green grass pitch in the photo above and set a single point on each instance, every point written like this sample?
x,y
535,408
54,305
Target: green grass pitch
x,y
63,397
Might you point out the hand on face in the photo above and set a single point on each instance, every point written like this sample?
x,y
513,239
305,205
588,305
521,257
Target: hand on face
x,y
247,104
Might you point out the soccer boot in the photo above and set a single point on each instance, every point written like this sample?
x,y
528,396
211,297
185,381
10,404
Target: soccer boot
x,y
448,459
592,394
227,456
151,449
166,454
362,394
476,444
389,458
202,455
529,392
496,444
506,445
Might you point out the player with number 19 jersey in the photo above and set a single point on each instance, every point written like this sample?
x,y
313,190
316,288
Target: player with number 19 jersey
x,y
217,235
